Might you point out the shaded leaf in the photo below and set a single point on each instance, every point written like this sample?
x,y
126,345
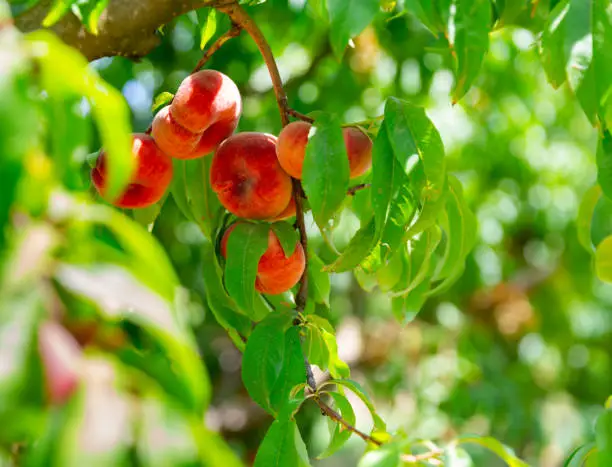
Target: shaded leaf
x,y
585,217
347,19
287,236
603,260
282,447
340,435
386,456
357,250
503,452
292,373
319,286
603,437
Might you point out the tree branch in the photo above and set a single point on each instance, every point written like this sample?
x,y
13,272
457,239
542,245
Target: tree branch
x,y
126,27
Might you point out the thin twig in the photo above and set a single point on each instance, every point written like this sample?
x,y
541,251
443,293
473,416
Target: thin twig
x,y
335,416
234,31
300,116
354,189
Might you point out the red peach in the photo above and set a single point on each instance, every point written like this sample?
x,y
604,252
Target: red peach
x,y
204,98
149,182
288,212
292,141
247,178
276,273
171,137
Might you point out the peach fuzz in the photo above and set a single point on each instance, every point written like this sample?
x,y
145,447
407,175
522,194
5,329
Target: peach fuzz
x,y
276,273
247,178
171,137
292,141
150,180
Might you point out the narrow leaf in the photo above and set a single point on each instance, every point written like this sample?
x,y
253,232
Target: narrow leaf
x,y
357,250
208,27
503,452
585,217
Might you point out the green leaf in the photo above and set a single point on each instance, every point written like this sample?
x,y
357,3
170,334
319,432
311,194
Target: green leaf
x,y
337,368
426,12
315,347
64,72
604,163
386,456
223,307
325,173
412,135
319,286
292,373
355,387
588,48
347,19
287,236
58,9
208,25
461,234
603,260
263,359
340,435
119,296
581,455
553,43
603,437
214,450
357,250
89,13
161,100
384,169
245,247
472,24
282,447
503,452
585,217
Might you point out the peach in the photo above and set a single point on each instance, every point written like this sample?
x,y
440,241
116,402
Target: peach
x,y
150,180
276,273
288,212
204,112
291,149
205,98
247,178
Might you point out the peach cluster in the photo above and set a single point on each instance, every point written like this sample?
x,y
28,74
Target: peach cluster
x,y
251,173
204,111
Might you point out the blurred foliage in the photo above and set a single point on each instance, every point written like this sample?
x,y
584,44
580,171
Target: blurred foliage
x,y
517,350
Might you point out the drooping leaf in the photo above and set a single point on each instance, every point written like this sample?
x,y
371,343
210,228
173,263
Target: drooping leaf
x,y
245,247
553,44
384,169
263,359
585,217
282,447
325,173
472,24
292,373
223,307
337,367
340,435
347,19
315,347
493,445
287,236
357,250
319,286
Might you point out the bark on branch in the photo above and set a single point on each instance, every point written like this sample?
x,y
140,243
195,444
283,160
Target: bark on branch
x,y
126,27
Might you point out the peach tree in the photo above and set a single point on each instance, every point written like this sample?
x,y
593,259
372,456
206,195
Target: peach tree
x,y
99,362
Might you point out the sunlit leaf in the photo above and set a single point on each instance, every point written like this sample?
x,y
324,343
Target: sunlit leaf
x,y
493,445
208,25
347,19
585,216
282,446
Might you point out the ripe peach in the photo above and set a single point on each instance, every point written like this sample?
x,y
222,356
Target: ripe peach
x,y
276,273
205,98
149,182
247,178
171,137
291,149
288,212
